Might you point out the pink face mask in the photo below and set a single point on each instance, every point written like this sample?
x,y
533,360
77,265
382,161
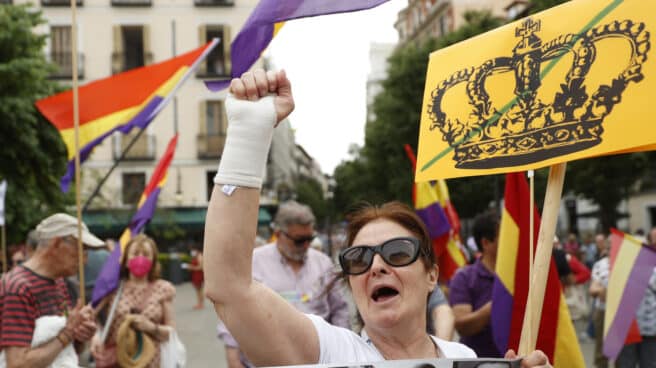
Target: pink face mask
x,y
139,266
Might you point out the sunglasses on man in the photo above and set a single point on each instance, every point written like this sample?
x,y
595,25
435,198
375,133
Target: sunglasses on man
x,y
396,252
300,241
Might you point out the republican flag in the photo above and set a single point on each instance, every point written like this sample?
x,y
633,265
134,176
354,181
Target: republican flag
x,y
632,265
118,103
108,279
266,20
433,205
556,336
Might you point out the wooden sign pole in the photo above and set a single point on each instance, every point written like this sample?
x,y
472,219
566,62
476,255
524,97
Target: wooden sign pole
x,y
542,262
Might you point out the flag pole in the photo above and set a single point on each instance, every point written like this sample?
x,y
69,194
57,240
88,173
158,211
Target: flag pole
x,y
76,124
531,242
111,169
542,258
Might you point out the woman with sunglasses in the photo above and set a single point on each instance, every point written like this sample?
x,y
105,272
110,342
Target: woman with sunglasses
x,y
388,263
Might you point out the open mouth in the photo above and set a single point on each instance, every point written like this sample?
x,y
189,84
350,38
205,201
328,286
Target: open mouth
x,y
384,293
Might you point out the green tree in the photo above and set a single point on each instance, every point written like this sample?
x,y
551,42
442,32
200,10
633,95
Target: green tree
x,y
540,5
309,192
381,171
33,155
606,181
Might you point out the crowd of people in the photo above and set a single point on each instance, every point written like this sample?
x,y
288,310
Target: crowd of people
x,y
379,299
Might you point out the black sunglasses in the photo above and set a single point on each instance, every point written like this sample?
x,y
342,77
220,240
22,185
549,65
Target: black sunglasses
x,y
396,252
300,241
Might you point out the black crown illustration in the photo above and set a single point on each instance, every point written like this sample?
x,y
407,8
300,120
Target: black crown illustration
x,y
527,130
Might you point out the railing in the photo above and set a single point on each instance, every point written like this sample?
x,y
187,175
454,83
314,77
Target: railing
x,y
210,145
118,61
214,2
142,149
64,63
132,3
59,2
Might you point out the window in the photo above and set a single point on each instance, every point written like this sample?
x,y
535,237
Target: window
x,y
56,2
214,2
215,121
217,63
210,183
133,185
213,125
443,30
131,48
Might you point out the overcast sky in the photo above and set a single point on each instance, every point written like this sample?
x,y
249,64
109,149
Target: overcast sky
x,y
327,61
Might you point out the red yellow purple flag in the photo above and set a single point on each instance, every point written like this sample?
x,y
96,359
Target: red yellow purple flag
x,y
632,265
108,279
434,207
556,336
121,102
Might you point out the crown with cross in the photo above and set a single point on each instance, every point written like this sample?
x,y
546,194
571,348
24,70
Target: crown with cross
x,y
527,129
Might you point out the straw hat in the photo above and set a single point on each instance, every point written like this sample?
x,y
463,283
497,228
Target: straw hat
x,y
134,349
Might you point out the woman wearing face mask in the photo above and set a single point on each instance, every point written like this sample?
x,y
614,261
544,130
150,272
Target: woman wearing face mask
x,y
144,297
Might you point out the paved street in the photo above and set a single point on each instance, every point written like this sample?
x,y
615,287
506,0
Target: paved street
x,y
197,331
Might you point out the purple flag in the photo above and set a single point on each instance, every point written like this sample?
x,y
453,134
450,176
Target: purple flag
x,y
256,34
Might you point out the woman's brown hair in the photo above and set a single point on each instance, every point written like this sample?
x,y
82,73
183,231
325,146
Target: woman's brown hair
x,y
139,240
396,212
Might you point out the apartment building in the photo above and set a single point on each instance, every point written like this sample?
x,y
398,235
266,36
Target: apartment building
x,y
423,19
118,35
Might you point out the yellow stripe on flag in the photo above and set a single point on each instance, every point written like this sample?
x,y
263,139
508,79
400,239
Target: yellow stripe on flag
x,y
621,270
95,128
507,251
567,352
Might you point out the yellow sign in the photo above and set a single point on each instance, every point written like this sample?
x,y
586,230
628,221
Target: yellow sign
x,y
572,82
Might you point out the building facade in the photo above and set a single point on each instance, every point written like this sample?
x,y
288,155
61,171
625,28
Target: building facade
x,y
424,19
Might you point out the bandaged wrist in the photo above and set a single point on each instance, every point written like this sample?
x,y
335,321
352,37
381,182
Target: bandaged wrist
x,y
250,129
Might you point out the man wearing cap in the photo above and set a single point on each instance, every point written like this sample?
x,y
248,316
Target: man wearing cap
x,y
298,273
36,289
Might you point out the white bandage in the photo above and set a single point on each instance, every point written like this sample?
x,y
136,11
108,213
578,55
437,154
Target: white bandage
x,y
250,129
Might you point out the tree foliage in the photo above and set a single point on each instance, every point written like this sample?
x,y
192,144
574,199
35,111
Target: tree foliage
x,y
380,171
309,192
33,155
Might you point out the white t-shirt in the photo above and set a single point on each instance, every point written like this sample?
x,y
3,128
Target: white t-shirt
x,y
339,345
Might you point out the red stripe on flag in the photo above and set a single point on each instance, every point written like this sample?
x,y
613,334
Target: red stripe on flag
x,y
115,93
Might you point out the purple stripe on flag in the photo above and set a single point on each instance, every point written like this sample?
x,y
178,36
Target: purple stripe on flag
x,y
258,29
145,212
107,280
435,220
634,291
141,120
502,308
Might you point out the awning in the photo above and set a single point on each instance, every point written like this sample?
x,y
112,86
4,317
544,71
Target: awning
x,y
111,223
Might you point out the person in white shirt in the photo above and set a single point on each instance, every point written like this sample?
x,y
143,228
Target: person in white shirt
x,y
388,262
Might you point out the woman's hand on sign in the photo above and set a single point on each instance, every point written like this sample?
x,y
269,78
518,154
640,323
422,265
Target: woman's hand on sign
x,y
536,359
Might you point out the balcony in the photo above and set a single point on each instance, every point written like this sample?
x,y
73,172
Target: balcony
x,y
64,63
142,150
210,146
214,2
121,63
132,3
8,2
60,3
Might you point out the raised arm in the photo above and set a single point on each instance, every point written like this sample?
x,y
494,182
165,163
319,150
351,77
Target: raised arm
x,y
268,329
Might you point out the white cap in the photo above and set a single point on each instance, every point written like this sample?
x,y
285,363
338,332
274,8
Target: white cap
x,y
61,224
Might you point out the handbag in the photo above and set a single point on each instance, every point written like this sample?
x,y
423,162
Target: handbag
x,y
172,352
577,302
